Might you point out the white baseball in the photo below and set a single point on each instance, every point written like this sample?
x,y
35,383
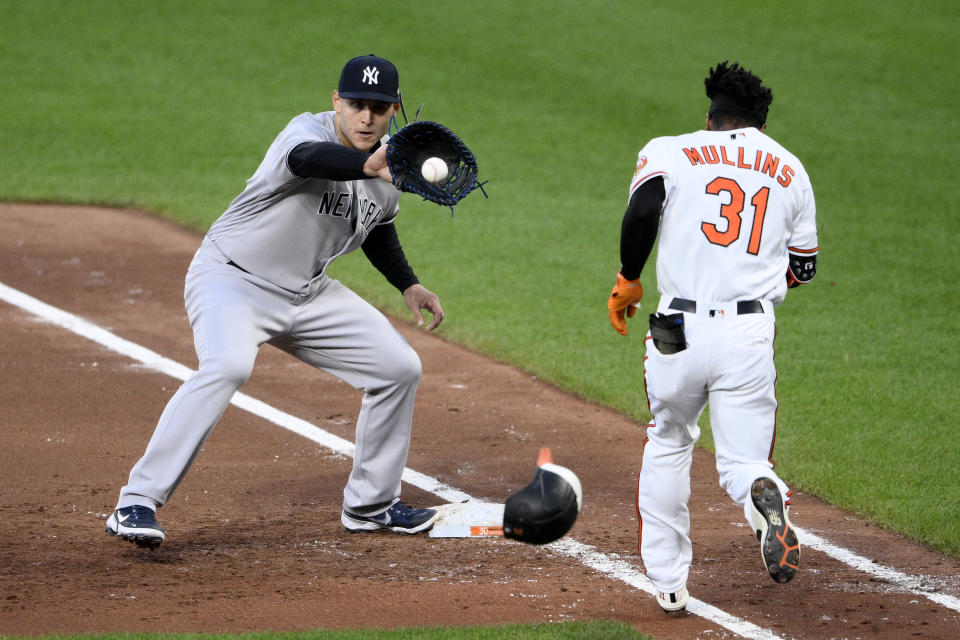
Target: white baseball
x,y
434,170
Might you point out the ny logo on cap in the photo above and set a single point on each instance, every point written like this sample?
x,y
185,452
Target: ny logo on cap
x,y
371,75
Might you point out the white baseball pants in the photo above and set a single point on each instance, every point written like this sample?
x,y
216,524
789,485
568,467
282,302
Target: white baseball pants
x,y
728,364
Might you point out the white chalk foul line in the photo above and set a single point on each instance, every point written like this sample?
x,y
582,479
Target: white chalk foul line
x,y
626,572
586,554
913,584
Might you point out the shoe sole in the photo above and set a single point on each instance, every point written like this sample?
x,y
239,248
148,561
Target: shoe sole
x,y
147,538
779,547
354,525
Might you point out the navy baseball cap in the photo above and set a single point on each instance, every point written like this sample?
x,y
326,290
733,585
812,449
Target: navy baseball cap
x,y
370,78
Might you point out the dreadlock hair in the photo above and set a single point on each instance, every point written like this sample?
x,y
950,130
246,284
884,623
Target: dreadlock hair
x,y
737,96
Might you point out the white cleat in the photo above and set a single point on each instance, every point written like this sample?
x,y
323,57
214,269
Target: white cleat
x,y
673,602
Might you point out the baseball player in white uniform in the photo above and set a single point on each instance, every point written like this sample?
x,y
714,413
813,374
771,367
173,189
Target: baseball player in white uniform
x,y
736,220
322,190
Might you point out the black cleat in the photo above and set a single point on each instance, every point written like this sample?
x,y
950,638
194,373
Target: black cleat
x,y
136,524
399,517
779,547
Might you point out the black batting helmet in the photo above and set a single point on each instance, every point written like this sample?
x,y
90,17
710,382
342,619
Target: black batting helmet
x,y
545,509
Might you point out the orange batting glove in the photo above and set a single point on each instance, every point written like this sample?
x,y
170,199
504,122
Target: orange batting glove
x,y
624,298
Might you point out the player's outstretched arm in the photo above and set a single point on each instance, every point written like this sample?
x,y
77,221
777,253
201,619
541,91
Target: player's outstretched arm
x,y
418,298
332,161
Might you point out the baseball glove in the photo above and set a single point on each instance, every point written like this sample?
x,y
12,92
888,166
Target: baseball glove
x,y
417,141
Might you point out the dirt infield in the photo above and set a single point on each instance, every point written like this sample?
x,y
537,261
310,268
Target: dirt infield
x,y
254,539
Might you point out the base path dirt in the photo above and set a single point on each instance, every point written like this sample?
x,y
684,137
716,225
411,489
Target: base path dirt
x,y
254,540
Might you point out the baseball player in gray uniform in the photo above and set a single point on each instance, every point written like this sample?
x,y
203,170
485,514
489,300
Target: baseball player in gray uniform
x,y
322,190
736,219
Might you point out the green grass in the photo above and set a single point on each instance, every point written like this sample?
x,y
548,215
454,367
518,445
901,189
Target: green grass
x,y
609,630
169,107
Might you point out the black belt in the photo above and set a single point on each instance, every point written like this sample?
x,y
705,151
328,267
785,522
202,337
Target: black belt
x,y
743,306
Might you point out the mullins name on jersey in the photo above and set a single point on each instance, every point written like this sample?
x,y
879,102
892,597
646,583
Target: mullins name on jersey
x,y
738,157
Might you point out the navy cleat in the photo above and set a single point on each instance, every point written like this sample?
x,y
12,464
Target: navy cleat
x,y
399,517
779,547
136,524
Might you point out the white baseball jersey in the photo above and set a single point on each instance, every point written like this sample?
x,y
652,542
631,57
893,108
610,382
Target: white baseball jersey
x,y
287,229
735,201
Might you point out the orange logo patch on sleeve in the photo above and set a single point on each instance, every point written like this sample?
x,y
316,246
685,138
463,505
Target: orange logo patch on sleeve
x,y
641,163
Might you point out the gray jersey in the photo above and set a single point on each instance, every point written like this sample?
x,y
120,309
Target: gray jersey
x,y
286,229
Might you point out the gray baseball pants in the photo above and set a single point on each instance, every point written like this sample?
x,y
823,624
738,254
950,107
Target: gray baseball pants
x,y
331,328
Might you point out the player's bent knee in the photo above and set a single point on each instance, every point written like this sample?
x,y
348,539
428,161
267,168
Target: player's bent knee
x,y
405,368
230,370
